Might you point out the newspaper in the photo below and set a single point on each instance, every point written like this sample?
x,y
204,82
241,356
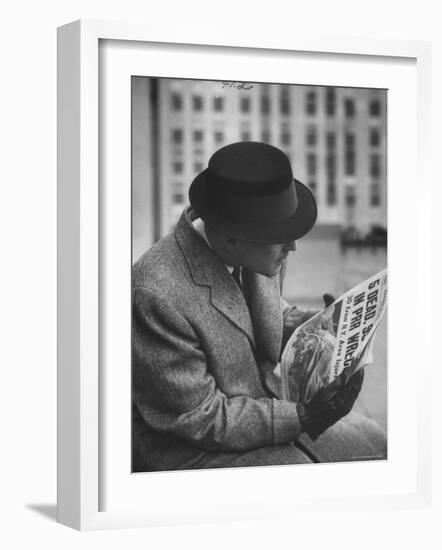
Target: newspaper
x,y
339,337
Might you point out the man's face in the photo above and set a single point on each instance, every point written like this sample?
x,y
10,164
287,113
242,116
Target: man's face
x,y
263,258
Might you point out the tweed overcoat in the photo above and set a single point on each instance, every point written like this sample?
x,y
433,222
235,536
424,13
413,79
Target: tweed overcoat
x,y
202,356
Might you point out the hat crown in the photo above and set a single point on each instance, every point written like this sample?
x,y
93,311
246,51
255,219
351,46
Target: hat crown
x,y
250,168
248,192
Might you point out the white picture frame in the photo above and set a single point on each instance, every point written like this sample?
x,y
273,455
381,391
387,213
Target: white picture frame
x,y
80,265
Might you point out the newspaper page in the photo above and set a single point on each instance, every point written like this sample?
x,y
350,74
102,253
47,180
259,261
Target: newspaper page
x,y
339,337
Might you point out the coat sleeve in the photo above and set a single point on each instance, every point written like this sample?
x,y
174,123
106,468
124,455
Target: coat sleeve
x,y
175,392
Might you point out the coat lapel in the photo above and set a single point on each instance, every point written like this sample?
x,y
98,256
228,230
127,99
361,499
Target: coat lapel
x,y
207,269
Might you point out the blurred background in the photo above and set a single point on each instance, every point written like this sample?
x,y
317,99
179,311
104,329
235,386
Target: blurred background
x,y
335,138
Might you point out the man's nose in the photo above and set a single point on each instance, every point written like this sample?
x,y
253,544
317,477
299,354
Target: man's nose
x,y
290,246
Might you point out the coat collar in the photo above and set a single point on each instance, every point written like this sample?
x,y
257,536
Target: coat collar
x,y
207,269
261,320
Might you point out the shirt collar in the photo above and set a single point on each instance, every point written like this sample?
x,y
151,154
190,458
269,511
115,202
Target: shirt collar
x,y
198,225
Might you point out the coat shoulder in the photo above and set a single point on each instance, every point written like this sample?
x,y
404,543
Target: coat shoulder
x,y
162,269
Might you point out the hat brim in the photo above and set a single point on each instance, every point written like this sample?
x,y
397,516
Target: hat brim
x,y
292,228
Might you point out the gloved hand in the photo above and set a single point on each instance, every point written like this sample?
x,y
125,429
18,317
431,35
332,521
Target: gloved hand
x,y
330,403
328,299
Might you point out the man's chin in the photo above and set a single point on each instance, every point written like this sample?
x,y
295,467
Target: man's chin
x,y
272,273
269,272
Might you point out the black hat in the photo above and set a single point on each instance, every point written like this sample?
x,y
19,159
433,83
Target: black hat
x,y
248,192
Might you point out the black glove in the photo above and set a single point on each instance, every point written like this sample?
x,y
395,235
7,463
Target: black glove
x,y
330,403
328,299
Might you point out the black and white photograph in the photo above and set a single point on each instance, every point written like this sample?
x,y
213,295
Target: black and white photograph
x,y
259,255
221,222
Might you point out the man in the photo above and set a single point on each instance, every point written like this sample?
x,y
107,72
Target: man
x,y
208,330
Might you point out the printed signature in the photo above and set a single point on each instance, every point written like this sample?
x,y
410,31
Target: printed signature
x,y
237,85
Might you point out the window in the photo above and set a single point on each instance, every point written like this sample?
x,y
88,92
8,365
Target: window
x,y
350,163
178,194
219,136
245,136
311,164
310,103
330,102
375,194
375,166
312,186
285,137
330,140
330,165
311,137
330,168
197,103
265,135
265,104
350,155
177,167
331,194
245,104
178,198
284,102
177,135
177,101
350,140
198,167
197,135
218,103
375,108
375,137
350,196
349,108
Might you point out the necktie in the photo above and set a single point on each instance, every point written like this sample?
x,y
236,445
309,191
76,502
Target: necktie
x,y
236,274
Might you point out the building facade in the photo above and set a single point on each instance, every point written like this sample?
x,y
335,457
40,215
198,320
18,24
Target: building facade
x,y
335,138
